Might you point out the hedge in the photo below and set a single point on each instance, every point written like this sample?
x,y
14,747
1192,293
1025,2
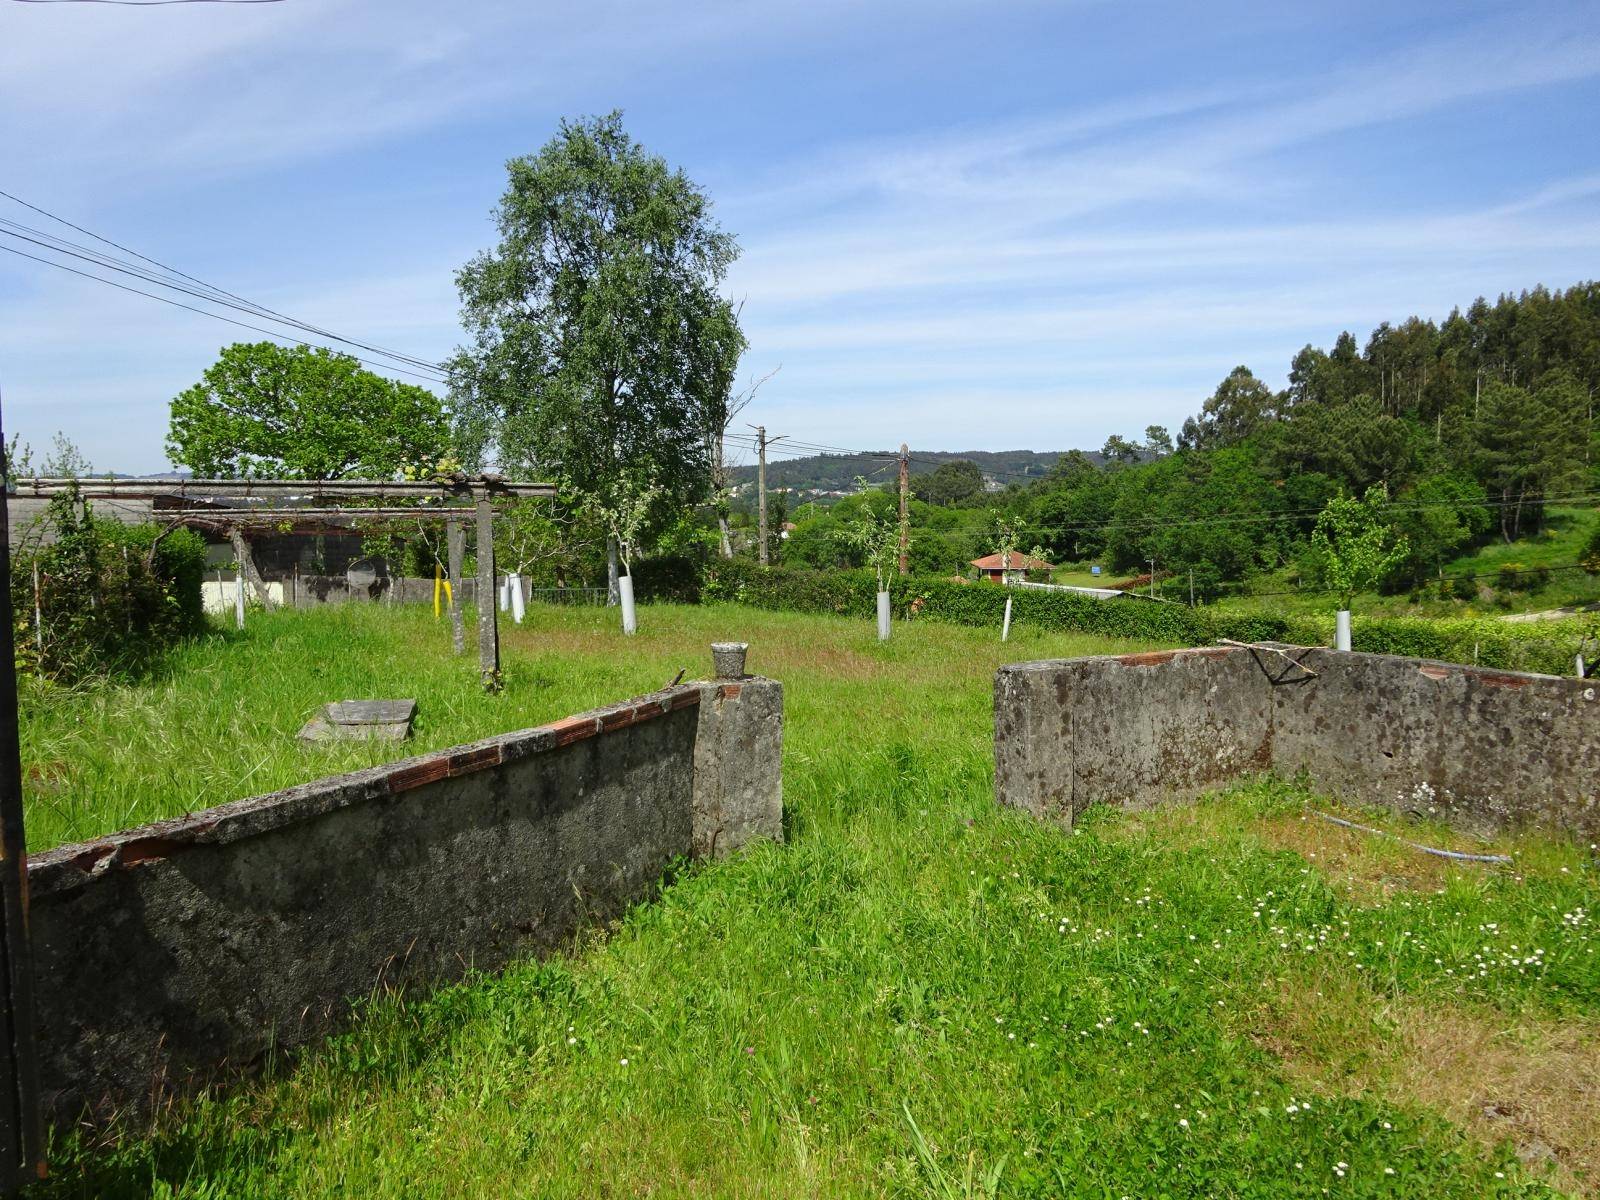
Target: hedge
x,y
111,598
1547,647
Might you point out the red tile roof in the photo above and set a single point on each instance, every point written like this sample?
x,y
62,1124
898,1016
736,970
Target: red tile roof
x,y
1019,562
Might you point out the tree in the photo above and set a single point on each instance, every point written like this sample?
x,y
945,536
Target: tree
x,y
1157,441
876,540
295,412
1353,547
601,351
1120,452
1240,406
949,483
1532,442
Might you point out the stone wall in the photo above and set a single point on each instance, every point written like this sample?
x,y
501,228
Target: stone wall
x,y
1484,749
170,954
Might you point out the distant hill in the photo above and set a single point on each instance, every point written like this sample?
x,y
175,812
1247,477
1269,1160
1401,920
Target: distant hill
x,y
821,474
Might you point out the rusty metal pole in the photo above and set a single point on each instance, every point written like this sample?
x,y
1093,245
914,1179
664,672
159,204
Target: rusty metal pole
x,y
456,543
488,611
21,1126
905,513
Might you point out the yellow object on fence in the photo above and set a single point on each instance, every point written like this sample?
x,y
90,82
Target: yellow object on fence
x,y
438,579
449,594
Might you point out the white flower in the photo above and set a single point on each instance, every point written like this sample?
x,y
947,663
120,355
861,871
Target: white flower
x,y
624,1062
1184,1122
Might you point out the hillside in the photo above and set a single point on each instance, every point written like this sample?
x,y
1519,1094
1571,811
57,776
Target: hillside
x,y
824,473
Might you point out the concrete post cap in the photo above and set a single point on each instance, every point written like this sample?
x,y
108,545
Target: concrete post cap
x,y
728,659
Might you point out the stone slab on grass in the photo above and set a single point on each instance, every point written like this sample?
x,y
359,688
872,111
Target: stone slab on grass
x,y
361,720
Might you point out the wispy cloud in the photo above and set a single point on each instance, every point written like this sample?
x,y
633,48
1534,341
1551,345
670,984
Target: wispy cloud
x,y
1042,267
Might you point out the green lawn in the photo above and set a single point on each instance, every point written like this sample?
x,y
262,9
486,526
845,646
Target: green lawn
x,y
919,995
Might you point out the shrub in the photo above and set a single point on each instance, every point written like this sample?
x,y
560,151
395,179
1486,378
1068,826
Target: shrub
x,y
672,578
111,598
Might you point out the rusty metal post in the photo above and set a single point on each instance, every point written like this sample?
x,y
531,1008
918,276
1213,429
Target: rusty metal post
x,y
488,611
21,1127
456,543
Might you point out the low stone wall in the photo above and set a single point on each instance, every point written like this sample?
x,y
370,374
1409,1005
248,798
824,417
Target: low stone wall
x,y
1484,749
167,954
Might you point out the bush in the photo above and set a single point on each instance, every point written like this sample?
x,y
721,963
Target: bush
x,y
674,578
111,598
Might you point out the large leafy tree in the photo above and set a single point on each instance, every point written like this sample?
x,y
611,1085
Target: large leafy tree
x,y
295,412
1240,407
949,483
601,350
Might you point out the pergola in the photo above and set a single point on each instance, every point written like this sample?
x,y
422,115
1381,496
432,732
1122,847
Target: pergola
x,y
454,499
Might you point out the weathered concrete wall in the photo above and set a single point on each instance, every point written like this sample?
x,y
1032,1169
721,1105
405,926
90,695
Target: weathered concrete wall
x,y
1485,749
169,953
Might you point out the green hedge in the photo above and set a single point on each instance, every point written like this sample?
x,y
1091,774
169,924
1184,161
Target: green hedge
x,y
1535,647
111,598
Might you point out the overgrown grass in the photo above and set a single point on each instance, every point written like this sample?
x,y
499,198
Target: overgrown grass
x,y
220,722
920,994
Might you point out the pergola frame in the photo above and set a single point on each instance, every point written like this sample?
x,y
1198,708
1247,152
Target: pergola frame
x,y
481,490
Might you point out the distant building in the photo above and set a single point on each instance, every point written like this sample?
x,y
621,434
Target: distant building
x,y
998,568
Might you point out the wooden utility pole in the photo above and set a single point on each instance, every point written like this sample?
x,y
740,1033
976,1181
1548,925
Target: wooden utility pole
x,y
455,553
761,492
21,1126
762,442
905,512
488,616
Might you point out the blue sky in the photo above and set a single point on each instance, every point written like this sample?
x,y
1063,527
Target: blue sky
x,y
964,225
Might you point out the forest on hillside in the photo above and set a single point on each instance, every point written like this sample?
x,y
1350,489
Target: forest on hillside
x,y
821,474
1467,430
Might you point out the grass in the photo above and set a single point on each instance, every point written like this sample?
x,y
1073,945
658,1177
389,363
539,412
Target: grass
x,y
920,994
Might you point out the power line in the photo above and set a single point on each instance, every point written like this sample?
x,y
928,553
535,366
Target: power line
x,y
1430,579
212,293
146,3
203,312
106,261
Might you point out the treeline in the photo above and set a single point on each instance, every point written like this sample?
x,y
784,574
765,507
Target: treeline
x,y
1471,426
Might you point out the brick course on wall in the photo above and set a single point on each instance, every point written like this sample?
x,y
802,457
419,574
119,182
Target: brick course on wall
x,y
1484,749
169,954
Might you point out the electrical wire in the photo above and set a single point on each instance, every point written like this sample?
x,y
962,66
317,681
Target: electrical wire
x,y
211,293
203,312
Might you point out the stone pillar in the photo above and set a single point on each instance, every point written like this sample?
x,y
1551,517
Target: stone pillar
x,y
738,765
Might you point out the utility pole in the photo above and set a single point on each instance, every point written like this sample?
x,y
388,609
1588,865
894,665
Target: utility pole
x,y
761,490
762,442
21,1122
905,515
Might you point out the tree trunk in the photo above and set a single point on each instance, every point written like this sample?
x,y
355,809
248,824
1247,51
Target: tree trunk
x,y
727,539
613,590
247,566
